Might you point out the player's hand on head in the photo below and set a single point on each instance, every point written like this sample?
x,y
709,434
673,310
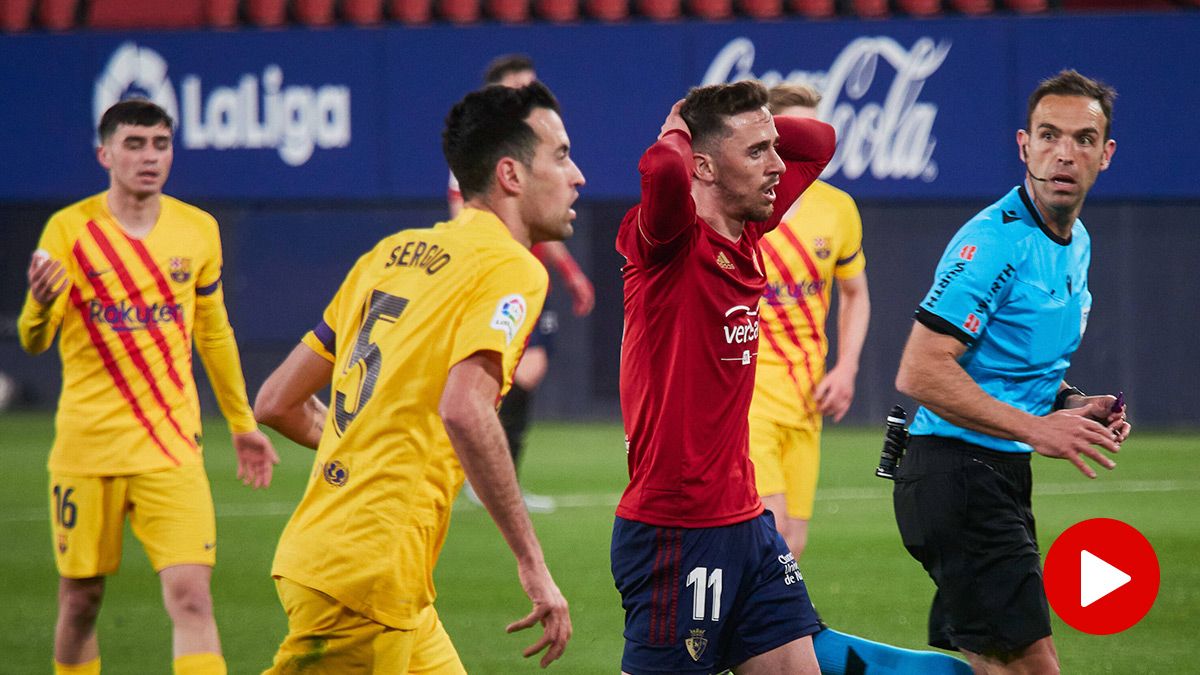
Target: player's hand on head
x,y
47,277
1071,434
549,609
256,458
834,393
675,121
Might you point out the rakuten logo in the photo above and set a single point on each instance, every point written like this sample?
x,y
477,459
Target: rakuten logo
x,y
259,112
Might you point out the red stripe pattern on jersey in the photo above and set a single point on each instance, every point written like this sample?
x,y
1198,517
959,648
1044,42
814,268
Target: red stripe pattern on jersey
x,y
110,363
664,605
131,347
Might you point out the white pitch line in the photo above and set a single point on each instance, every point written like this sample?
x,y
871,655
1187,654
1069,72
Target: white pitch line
x,y
594,500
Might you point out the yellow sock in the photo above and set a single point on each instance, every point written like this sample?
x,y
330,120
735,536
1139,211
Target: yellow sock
x,y
200,664
90,668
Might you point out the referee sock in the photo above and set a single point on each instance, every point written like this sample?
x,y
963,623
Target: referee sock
x,y
842,654
90,668
200,664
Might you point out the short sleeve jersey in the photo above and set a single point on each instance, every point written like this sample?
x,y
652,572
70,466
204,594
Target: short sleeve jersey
x,y
1017,296
819,240
373,518
128,402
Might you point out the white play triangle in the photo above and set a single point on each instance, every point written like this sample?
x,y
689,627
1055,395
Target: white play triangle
x,y
1097,578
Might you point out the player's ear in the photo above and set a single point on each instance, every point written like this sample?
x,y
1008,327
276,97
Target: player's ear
x,y
1022,145
703,167
103,156
509,175
1110,148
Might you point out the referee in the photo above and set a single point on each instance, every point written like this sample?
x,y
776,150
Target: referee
x,y
986,359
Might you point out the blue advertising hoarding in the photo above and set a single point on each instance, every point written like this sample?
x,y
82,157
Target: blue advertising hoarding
x,y
924,109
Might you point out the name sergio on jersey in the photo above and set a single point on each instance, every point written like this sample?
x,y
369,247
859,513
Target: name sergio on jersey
x,y
419,255
124,316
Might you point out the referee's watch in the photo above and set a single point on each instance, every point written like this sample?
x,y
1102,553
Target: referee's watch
x,y
1060,401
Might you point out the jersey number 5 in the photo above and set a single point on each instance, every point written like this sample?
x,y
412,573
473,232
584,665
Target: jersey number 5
x,y
366,358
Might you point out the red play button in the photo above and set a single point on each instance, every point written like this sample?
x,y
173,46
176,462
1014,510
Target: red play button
x,y
1101,576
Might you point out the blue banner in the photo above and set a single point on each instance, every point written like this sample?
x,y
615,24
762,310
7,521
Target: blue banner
x,y
924,109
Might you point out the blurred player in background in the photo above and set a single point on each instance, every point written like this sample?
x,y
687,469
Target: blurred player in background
x,y
419,344
986,359
818,240
516,70
131,276
706,581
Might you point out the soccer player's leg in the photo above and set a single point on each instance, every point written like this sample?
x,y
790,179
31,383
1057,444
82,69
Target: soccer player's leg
x,y
327,638
772,618
766,452
433,652
801,465
171,513
88,519
963,512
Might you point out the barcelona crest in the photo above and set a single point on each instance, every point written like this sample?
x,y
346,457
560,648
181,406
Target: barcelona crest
x,y
181,270
696,643
821,247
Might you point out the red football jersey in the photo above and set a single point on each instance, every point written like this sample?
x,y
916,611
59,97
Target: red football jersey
x,y
691,337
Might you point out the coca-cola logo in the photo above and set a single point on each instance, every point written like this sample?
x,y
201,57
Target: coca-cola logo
x,y
892,139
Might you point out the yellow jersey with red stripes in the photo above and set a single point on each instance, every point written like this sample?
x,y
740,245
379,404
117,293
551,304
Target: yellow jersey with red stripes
x,y
373,518
126,325
819,240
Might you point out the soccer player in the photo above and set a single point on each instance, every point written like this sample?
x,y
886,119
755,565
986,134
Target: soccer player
x,y
706,581
818,241
131,277
986,359
418,345
516,70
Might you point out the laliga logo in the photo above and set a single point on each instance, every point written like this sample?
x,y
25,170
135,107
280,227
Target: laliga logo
x,y
294,119
893,140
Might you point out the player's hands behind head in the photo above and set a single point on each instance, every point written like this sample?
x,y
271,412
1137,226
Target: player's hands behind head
x,y
256,458
549,608
675,121
47,277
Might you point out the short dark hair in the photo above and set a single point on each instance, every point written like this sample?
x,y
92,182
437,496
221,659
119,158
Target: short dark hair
x,y
505,65
487,125
136,112
707,109
784,96
1071,83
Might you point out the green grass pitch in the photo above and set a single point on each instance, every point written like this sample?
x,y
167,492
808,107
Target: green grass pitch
x,y
857,572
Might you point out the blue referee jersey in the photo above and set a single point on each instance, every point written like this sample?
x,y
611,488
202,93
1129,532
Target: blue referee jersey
x,y
1016,295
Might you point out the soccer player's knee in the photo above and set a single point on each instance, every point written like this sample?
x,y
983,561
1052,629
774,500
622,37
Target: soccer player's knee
x,y
189,600
81,603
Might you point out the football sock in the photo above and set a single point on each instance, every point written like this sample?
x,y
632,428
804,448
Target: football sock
x,y
90,668
842,654
200,664
514,417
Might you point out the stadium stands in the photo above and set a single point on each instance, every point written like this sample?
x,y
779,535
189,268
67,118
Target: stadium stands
x,y
59,15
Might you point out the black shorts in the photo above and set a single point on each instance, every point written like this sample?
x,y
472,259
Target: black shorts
x,y
964,512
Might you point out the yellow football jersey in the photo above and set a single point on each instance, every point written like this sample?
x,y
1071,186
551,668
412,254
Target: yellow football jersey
x,y
127,320
373,518
818,241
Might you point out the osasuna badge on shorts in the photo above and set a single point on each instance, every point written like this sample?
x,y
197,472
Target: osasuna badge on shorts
x,y
510,314
696,643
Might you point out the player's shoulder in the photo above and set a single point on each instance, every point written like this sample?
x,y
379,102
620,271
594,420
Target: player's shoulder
x,y
832,195
76,216
179,210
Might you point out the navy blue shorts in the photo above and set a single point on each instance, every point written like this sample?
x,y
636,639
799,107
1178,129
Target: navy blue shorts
x,y
705,600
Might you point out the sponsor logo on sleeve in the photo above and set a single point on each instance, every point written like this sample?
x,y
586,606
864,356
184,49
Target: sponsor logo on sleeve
x,y
968,252
509,315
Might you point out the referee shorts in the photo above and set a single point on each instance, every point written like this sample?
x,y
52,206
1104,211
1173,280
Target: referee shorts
x,y
965,514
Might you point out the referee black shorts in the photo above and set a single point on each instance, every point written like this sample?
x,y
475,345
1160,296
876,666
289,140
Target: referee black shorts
x,y
964,512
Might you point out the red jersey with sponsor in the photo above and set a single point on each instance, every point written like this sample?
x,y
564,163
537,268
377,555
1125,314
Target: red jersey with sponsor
x,y
691,337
